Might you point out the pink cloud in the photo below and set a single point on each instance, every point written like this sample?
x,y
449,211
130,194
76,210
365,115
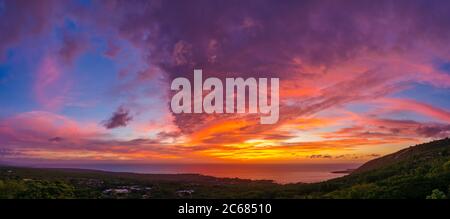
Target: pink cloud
x,y
41,126
416,106
50,87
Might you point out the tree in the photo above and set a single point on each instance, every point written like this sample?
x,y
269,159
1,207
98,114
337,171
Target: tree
x,y
436,194
41,189
446,166
9,189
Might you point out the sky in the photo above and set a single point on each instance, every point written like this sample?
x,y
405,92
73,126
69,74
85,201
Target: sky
x,y
89,80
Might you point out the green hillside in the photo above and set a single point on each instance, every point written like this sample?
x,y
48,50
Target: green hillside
x,y
413,172
417,172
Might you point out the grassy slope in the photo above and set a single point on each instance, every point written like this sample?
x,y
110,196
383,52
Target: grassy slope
x,y
410,173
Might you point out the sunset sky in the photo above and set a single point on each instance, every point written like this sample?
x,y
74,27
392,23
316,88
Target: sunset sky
x,y
89,80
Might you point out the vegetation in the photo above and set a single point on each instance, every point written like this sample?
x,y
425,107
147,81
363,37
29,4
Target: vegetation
x,y
436,194
418,172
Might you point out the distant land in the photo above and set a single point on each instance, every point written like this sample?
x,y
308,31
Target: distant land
x,y
343,171
417,172
282,173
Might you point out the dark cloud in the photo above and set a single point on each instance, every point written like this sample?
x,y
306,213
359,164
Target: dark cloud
x,y
72,47
22,18
392,128
325,156
436,130
56,139
120,118
7,152
165,135
356,156
262,37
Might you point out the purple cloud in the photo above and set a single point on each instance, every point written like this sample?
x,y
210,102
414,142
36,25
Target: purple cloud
x,y
120,118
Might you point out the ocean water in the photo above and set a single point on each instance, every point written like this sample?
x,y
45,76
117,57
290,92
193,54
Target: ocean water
x,y
280,173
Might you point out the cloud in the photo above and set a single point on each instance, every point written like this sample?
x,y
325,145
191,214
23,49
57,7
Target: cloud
x,y
21,19
327,55
120,118
379,128
72,47
56,139
49,136
325,47
7,152
325,156
419,107
51,87
435,131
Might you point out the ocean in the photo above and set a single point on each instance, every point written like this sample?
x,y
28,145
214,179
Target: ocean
x,y
280,173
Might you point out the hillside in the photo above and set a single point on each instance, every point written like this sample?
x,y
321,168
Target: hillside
x,y
424,152
416,172
413,172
